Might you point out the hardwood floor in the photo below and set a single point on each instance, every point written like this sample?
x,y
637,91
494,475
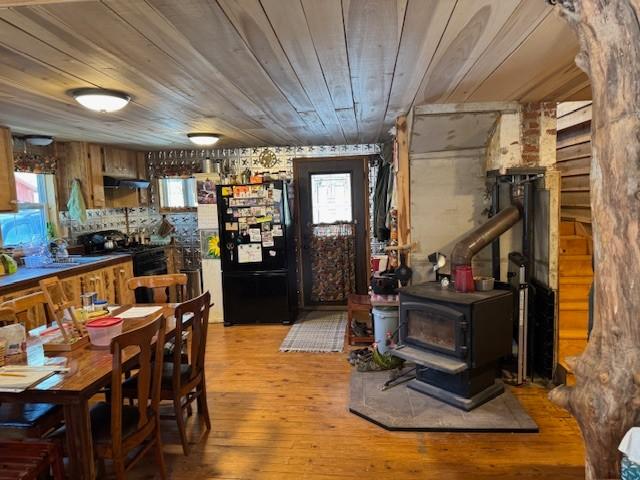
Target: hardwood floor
x,y
284,416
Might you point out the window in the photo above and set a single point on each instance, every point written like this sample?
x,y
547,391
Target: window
x,y
331,197
29,223
177,193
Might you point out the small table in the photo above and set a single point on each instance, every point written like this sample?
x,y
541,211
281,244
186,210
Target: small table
x,y
89,371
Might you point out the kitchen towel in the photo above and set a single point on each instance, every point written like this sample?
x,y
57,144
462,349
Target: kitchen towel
x,y
75,205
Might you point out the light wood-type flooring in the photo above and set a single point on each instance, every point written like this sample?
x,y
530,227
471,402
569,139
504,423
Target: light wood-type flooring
x,y
285,416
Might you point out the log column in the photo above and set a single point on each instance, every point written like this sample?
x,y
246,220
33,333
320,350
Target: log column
x,y
606,397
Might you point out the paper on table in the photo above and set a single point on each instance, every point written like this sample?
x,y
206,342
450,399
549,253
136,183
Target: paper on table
x,y
138,312
19,378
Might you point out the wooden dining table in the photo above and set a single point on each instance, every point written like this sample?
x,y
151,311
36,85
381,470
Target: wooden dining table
x,y
89,371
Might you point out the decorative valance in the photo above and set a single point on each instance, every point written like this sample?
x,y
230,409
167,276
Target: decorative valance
x,y
35,163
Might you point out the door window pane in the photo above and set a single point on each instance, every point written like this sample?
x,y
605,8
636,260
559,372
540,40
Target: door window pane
x,y
331,197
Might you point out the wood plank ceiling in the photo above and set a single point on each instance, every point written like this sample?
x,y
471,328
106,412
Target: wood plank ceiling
x,y
272,72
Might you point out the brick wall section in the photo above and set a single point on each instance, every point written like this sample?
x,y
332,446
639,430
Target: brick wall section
x,y
533,115
530,133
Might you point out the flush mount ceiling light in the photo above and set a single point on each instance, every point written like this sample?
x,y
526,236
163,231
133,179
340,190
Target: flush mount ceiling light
x,y
38,140
100,99
204,139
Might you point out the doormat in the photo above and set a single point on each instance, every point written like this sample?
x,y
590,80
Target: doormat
x,y
403,409
318,331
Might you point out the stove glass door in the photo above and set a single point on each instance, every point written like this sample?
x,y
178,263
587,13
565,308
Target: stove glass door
x,y
435,327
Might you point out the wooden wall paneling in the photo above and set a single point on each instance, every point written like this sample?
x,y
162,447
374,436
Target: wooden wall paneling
x,y
373,29
549,46
205,25
577,82
579,150
90,62
471,29
236,107
8,199
149,65
577,117
421,34
577,166
564,78
290,25
270,73
293,68
524,20
324,20
574,159
575,183
566,108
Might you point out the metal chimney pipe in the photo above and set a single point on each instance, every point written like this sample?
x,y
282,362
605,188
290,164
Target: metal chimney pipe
x,y
483,235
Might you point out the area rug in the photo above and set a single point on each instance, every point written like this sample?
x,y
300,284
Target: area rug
x,y
318,331
404,409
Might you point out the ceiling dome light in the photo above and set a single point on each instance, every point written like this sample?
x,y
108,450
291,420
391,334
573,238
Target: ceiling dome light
x,y
204,139
101,100
38,140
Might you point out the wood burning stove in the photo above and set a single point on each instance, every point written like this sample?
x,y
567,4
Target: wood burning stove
x,y
455,339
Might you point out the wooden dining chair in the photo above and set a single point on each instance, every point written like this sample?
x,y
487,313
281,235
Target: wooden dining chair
x,y
184,383
7,316
59,305
160,286
30,460
27,420
119,430
31,310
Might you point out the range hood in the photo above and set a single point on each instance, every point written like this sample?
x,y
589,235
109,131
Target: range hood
x,y
114,182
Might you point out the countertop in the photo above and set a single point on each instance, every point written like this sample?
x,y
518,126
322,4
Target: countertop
x,y
29,277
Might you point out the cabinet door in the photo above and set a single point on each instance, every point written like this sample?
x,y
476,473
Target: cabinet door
x,y
122,273
81,161
8,201
118,162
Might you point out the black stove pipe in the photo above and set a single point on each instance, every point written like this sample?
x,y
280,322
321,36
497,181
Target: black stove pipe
x,y
483,235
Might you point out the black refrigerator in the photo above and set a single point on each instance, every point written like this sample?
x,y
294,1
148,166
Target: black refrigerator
x,y
258,254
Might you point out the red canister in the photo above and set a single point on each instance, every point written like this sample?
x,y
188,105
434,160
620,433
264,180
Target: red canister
x,y
463,279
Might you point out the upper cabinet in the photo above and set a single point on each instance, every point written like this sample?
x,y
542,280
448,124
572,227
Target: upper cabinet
x,y
8,201
118,162
82,161
90,163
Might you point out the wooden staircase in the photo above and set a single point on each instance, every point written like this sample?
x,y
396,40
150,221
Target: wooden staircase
x,y
576,276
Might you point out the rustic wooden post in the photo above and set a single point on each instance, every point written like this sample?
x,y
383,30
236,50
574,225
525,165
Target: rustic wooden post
x,y
606,397
402,182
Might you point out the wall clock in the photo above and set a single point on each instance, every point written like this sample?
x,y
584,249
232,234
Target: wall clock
x,y
267,159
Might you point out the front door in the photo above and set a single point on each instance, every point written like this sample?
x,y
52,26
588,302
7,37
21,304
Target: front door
x,y
333,228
